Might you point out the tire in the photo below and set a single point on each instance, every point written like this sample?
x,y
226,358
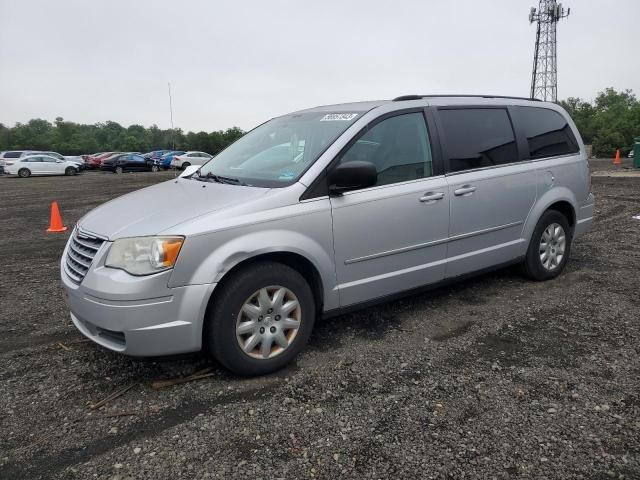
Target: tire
x,y
226,314
119,170
185,165
534,267
154,168
24,173
70,171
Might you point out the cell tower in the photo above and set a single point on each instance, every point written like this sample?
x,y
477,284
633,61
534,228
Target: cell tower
x,y
544,79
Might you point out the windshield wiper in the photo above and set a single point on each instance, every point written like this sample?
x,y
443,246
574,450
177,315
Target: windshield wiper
x,y
217,178
222,179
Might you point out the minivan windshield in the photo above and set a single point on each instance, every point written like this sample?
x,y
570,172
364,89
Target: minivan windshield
x,y
278,152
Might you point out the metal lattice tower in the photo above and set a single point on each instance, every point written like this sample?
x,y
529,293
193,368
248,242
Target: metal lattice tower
x,y
544,79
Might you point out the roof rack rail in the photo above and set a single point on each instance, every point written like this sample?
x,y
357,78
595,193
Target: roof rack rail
x,y
420,97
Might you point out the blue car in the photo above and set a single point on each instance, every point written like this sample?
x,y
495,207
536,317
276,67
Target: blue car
x,y
165,160
155,154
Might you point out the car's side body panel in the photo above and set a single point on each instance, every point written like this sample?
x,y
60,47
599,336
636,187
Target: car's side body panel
x,y
386,240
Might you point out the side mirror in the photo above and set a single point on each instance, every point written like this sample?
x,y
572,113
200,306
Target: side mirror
x,y
190,170
352,176
59,161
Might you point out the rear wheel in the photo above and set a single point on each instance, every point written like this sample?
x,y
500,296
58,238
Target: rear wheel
x,y
261,319
70,171
154,168
185,165
549,247
24,172
119,170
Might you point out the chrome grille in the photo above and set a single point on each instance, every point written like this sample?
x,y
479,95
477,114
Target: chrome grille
x,y
82,248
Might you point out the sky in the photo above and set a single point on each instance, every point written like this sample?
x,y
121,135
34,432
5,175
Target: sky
x,y
239,63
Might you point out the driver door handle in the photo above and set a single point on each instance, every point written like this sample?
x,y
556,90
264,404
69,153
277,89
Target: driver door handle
x,y
464,190
431,196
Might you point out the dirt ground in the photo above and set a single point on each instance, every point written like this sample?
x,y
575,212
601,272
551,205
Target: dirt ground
x,y
495,377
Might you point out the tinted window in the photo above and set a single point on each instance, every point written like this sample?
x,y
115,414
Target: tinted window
x,y
136,158
478,137
33,160
48,159
12,154
548,133
398,147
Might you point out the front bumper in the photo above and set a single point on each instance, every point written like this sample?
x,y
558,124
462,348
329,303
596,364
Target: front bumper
x,y
138,316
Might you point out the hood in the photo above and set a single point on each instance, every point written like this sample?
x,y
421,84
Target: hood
x,y
154,209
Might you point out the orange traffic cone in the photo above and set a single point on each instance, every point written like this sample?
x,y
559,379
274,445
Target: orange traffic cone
x,y
56,220
617,161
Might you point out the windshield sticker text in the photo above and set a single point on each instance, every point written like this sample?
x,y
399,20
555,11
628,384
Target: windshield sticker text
x,y
338,117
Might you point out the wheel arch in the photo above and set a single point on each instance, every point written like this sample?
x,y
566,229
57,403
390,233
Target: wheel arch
x,y
298,262
561,200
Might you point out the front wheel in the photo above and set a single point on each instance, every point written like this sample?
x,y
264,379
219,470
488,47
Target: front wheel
x,y
154,168
119,170
261,319
70,171
549,247
24,172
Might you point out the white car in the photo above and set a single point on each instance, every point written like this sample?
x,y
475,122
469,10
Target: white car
x,y
71,158
190,158
40,165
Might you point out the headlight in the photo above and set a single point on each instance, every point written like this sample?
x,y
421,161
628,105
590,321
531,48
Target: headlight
x,y
144,255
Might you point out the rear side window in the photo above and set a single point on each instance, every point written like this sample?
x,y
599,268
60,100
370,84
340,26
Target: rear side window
x,y
478,137
12,154
548,133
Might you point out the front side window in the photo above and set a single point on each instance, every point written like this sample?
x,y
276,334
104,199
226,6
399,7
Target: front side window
x,y
278,152
49,159
548,133
478,137
398,147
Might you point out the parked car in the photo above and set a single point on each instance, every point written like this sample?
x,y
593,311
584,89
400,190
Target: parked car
x,y
165,160
127,162
364,202
93,161
75,159
40,164
105,156
157,154
190,158
12,155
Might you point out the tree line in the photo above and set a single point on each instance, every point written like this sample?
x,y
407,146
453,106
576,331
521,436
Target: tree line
x,y
610,122
70,138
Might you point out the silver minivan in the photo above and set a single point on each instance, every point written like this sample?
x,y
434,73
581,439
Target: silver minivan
x,y
324,210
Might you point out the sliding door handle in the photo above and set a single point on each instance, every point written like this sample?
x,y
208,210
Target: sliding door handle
x,y
464,190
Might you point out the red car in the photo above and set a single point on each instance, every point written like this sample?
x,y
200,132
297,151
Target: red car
x,y
98,160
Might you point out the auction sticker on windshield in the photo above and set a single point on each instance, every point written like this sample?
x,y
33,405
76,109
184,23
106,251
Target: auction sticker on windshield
x,y
338,117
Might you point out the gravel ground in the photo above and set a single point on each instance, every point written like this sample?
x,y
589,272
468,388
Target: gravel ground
x,y
495,377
